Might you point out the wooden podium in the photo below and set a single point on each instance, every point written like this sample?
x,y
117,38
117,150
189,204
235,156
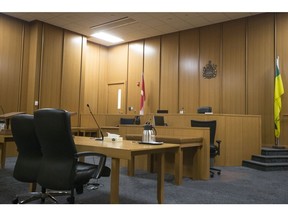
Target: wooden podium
x,y
6,117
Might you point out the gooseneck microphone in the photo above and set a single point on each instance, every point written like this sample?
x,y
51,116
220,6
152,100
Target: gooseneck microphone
x,y
2,109
102,136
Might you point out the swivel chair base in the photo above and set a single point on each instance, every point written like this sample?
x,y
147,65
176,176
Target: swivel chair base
x,y
212,169
43,196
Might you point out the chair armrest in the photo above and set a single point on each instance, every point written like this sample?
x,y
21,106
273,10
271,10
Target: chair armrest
x,y
218,146
101,164
88,153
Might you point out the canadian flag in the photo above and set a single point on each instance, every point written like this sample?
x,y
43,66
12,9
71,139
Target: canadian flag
x,y
142,100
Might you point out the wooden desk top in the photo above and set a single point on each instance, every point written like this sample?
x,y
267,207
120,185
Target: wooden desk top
x,y
9,115
195,141
124,149
6,137
93,128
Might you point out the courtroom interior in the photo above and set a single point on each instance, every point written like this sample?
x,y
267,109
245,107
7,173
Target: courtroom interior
x,y
196,66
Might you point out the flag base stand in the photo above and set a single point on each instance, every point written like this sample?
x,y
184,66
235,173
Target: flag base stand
x,y
277,144
278,147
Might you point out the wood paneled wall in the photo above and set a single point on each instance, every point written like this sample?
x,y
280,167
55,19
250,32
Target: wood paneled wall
x,y
169,85
260,72
189,70
60,68
152,74
11,63
135,70
51,67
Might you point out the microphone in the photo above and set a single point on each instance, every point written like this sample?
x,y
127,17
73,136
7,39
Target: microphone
x,y
102,136
2,109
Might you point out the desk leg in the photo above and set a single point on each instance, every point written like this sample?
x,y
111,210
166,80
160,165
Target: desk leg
x,y
114,185
160,177
32,187
178,169
131,166
3,154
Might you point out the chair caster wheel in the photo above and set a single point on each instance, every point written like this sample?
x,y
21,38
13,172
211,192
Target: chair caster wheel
x,y
15,201
219,173
211,175
70,200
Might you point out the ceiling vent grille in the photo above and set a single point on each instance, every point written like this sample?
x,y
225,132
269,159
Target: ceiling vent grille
x,y
113,24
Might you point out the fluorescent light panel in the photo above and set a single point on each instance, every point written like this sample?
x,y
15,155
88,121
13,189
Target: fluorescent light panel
x,y
107,37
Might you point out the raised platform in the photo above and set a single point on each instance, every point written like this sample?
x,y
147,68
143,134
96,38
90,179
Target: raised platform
x,y
271,159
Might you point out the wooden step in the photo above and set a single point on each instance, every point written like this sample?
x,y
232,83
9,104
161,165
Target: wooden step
x,y
265,166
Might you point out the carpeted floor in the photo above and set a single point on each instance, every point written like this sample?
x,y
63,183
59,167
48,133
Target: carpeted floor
x,y
236,185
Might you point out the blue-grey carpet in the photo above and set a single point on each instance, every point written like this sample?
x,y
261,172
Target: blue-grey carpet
x,y
236,185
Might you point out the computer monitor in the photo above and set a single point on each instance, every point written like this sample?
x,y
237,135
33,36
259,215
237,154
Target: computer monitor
x,y
159,121
162,111
204,109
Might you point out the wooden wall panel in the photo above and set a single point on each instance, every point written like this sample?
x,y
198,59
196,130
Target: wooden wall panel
x,y
234,77
11,48
118,64
189,70
91,78
169,73
282,52
152,74
25,58
210,50
34,66
135,70
50,84
71,73
260,72
103,74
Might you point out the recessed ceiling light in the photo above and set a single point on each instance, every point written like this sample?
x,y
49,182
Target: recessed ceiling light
x,y
107,37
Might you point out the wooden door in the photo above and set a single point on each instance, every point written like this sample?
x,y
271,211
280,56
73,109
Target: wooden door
x,y
116,98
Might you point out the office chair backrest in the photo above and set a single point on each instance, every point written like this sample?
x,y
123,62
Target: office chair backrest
x,y
159,120
53,129
210,124
127,120
29,150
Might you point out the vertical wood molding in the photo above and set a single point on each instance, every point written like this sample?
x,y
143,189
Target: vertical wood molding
x,y
234,76
260,72
103,74
152,74
50,87
34,66
71,73
189,70
12,42
135,69
169,72
210,41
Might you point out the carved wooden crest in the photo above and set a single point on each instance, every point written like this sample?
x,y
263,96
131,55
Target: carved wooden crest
x,y
209,71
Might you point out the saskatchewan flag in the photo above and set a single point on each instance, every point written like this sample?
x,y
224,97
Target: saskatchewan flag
x,y
278,92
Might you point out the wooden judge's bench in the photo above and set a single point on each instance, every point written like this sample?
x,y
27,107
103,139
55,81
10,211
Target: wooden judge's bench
x,y
240,136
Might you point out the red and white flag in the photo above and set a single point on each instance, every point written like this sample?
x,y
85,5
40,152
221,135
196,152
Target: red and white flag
x,y
142,101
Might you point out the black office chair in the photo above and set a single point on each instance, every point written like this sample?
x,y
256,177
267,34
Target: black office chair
x,y
127,120
214,149
60,168
29,155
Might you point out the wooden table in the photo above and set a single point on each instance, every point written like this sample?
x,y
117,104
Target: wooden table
x,y
183,143
127,150
4,138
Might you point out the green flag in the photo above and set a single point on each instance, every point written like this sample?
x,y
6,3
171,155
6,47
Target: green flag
x,y
278,92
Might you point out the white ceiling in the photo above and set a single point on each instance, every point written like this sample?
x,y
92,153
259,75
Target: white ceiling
x,y
145,25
